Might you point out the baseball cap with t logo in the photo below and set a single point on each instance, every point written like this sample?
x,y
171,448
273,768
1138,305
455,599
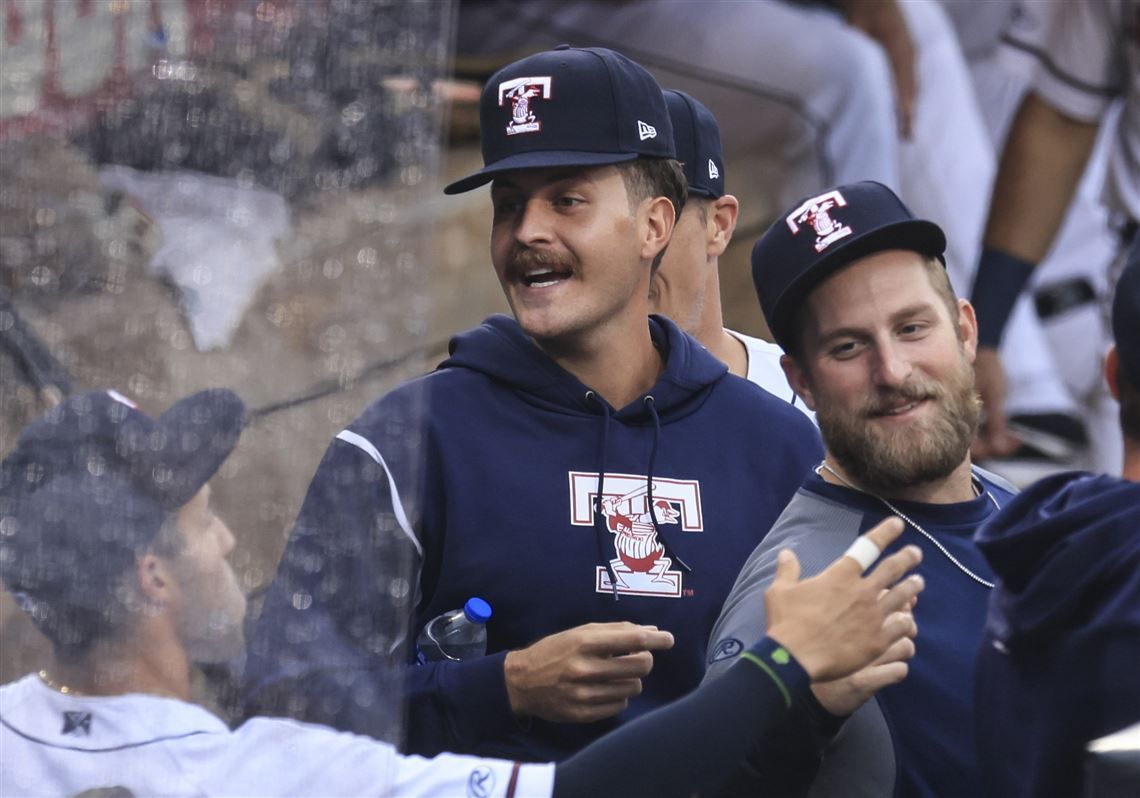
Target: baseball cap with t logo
x,y
569,107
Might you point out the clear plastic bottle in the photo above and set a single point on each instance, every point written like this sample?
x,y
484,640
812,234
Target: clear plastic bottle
x,y
455,635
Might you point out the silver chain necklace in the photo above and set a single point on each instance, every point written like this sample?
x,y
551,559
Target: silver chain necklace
x,y
917,528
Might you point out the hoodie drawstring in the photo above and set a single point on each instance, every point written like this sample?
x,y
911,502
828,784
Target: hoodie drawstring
x,y
651,405
601,532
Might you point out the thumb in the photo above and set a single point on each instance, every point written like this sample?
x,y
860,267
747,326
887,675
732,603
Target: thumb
x,y
787,567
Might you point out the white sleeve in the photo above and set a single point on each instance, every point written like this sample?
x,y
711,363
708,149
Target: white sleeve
x,y
452,774
1083,69
278,757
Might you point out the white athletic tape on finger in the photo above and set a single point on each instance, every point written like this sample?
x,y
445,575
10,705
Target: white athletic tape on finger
x,y
864,552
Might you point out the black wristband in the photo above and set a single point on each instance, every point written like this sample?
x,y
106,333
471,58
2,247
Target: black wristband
x,y
997,285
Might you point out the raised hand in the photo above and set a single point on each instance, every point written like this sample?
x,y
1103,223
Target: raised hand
x,y
840,621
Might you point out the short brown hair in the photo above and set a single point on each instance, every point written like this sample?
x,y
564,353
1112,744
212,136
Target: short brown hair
x,y
646,178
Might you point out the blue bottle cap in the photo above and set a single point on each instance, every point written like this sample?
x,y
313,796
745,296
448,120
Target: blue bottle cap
x,y
477,610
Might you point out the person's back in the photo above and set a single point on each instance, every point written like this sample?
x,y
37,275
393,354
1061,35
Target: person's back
x,y
1058,665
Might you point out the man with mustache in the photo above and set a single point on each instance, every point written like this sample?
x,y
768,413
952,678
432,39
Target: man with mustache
x,y
855,290
585,467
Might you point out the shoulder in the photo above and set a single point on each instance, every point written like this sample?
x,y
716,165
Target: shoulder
x,y
818,529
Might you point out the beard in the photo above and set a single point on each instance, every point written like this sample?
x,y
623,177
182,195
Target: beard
x,y
885,461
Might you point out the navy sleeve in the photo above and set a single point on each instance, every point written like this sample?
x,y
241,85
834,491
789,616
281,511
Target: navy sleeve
x,y
329,644
332,643
694,743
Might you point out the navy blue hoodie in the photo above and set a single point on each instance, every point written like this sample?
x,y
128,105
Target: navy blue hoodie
x,y
1060,662
496,458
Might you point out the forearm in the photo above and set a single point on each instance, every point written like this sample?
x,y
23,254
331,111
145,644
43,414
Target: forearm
x,y
695,743
1041,166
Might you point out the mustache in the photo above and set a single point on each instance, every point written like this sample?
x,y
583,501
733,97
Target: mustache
x,y
889,398
524,259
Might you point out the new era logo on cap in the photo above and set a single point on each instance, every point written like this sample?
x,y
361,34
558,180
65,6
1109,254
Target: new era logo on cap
x,y
697,138
645,131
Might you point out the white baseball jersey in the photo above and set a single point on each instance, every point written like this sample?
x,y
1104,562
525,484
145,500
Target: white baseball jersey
x,y
1094,58
764,370
60,745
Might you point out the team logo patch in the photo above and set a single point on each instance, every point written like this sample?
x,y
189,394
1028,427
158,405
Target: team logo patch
x,y
520,92
481,782
640,564
817,213
714,173
646,130
727,648
77,724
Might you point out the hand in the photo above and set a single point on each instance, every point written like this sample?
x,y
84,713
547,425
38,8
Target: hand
x,y
583,674
839,621
843,696
884,22
994,439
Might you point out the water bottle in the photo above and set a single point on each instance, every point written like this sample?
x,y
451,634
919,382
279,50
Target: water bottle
x,y
455,635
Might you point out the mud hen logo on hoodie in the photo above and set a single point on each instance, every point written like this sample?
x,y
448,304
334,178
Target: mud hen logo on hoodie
x,y
640,565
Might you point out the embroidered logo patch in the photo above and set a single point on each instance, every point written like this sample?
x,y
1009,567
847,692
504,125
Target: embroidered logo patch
x,y
645,130
817,213
640,565
521,92
714,173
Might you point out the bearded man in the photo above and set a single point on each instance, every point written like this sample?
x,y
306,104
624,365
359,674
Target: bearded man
x,y
854,289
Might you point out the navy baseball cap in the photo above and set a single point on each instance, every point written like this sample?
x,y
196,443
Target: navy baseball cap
x,y
1126,316
696,137
90,483
569,107
822,234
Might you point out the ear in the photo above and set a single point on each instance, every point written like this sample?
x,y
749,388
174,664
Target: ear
x,y
798,379
155,579
721,224
1112,370
968,328
659,216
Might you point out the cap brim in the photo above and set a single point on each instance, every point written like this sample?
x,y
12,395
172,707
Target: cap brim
x,y
536,160
201,431
915,235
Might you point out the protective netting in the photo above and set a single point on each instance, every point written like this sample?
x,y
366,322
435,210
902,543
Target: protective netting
x,y
200,193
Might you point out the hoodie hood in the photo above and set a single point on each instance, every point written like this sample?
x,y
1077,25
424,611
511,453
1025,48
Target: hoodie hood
x,y
1059,548
500,349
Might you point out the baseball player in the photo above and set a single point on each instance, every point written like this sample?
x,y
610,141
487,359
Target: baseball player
x,y
1094,58
855,291
581,465
110,545
686,286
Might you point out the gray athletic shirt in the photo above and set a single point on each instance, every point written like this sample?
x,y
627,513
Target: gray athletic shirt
x,y
819,524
